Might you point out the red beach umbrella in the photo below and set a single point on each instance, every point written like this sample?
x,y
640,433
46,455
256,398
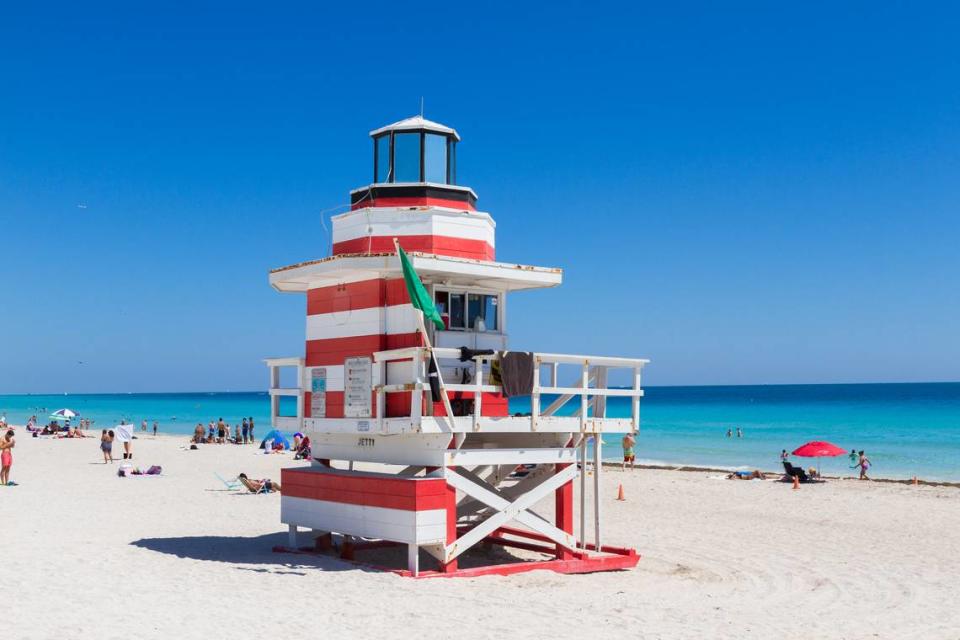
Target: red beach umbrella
x,y
818,449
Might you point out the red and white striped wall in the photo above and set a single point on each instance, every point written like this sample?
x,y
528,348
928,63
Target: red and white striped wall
x,y
356,319
435,230
411,510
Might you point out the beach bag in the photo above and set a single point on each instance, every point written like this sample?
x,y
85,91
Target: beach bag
x,y
154,470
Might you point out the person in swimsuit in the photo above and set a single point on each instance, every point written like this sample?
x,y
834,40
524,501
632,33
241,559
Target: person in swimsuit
x,y
250,420
747,475
783,455
864,465
628,443
256,486
6,456
106,446
154,428
244,429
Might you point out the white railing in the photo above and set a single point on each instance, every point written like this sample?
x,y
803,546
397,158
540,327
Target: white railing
x,y
593,374
276,392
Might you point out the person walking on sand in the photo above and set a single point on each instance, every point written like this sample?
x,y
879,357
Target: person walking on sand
x,y
6,456
106,446
154,428
864,465
628,443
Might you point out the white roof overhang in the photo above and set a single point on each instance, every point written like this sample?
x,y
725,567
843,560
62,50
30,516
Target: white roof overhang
x,y
432,268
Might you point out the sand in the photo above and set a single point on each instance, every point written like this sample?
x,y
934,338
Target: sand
x,y
89,555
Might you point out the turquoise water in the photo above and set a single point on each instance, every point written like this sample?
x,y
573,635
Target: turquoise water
x,y
906,429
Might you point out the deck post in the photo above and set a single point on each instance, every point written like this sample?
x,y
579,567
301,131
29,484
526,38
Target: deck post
x,y
597,466
563,507
583,491
450,502
413,559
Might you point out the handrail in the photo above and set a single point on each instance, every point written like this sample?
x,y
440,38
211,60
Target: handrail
x,y
594,370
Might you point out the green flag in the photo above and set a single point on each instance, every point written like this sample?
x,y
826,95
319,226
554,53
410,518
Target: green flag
x,y
418,294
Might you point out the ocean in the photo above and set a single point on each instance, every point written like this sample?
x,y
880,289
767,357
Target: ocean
x,y
906,429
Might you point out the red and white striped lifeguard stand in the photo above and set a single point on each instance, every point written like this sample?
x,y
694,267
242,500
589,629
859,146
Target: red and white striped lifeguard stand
x,y
363,392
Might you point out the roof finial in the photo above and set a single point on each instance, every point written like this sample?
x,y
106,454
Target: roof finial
x,y
421,106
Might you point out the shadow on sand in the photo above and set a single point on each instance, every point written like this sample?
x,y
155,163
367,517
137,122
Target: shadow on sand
x,y
241,550
246,553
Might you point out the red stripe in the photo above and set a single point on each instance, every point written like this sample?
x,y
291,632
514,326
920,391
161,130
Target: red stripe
x,y
351,296
388,493
413,202
439,245
345,297
333,351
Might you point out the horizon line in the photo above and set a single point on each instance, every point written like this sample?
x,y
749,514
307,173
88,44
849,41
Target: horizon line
x,y
652,386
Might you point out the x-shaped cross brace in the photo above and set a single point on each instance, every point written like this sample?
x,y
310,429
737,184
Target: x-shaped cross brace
x,y
505,510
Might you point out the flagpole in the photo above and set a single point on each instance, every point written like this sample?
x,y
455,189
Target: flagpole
x,y
426,339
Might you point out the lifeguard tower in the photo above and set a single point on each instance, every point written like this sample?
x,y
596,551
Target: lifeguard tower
x,y
460,470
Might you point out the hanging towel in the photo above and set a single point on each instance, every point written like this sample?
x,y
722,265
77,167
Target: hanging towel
x,y
516,373
433,376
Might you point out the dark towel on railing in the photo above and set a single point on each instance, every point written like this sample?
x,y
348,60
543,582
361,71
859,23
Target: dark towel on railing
x,y
467,353
516,373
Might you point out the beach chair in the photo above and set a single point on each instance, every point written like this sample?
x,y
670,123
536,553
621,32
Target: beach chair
x,y
795,471
232,485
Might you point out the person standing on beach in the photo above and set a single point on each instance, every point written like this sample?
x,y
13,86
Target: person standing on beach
x,y
6,456
628,443
143,425
864,465
154,428
245,429
106,446
251,429
236,434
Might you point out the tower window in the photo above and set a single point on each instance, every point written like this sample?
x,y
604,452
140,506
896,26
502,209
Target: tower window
x,y
435,158
469,311
406,157
383,159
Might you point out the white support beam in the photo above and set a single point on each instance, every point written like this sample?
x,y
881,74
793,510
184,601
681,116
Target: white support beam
x,y
506,511
532,455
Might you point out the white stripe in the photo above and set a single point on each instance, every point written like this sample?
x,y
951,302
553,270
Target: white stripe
x,y
345,324
370,522
371,321
427,221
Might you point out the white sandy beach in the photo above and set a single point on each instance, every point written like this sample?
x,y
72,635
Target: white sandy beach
x,y
89,555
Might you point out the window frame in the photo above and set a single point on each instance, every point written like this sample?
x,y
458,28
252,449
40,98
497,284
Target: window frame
x,y
450,161
466,291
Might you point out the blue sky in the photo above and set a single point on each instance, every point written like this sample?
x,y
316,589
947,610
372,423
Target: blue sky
x,y
752,193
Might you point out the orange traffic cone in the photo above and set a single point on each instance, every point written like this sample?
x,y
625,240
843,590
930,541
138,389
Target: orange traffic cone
x,y
620,495
796,482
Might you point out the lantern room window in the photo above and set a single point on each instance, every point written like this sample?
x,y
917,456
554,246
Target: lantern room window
x,y
435,158
414,156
